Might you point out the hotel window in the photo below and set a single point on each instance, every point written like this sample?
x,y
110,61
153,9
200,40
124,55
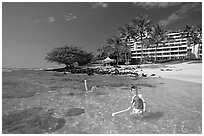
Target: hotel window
x,y
183,43
174,53
173,49
189,50
182,52
182,48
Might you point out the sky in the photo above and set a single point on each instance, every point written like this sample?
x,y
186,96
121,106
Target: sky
x,y
32,29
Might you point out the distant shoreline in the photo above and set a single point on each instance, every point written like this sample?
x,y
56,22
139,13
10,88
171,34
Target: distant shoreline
x,y
187,71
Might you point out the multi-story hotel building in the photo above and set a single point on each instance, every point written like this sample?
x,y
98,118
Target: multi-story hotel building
x,y
176,48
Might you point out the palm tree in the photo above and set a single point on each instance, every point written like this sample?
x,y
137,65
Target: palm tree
x,y
189,34
115,45
126,32
194,37
199,40
142,28
157,36
104,51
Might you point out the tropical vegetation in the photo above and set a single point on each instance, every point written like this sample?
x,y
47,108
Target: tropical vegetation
x,y
193,36
158,36
147,35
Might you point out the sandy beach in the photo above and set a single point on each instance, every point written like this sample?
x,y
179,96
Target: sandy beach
x,y
191,72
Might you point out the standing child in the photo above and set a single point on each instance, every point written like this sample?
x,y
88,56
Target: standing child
x,y
137,102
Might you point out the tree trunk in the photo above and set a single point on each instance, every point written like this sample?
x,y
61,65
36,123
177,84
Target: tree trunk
x,y
126,51
125,58
141,60
189,58
117,59
129,56
156,54
198,51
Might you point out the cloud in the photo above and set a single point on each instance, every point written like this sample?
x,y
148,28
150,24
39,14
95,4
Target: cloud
x,y
66,16
179,14
172,18
155,4
69,16
98,5
51,19
37,21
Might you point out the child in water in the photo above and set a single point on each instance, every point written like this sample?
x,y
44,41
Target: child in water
x,y
137,102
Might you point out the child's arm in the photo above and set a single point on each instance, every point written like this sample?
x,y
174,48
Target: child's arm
x,y
144,106
132,102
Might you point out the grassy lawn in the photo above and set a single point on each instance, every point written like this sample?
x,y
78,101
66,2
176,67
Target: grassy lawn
x,y
48,102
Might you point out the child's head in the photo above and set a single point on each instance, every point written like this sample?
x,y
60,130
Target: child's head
x,y
135,89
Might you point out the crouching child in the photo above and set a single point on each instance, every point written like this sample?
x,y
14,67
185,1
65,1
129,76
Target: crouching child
x,y
137,103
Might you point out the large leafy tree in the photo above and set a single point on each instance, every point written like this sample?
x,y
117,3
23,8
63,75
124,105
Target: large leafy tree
x,y
68,55
142,27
